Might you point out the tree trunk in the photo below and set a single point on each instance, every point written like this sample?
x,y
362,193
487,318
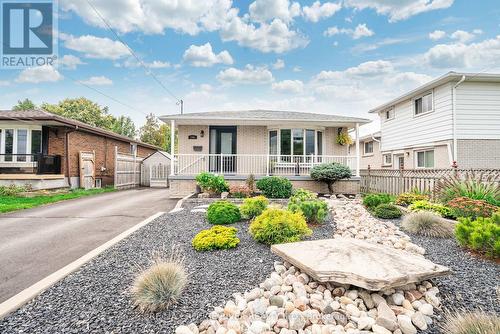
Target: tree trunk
x,y
330,187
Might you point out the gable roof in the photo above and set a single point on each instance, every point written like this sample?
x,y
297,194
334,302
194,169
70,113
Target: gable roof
x,y
43,117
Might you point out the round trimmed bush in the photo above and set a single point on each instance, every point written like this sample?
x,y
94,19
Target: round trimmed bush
x,y
252,207
275,226
387,211
314,211
217,237
373,200
428,224
330,173
275,187
481,235
223,212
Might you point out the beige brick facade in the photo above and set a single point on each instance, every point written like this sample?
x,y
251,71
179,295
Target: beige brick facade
x,y
478,153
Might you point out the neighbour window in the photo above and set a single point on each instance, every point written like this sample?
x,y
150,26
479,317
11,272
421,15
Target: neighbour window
x,y
286,142
273,142
389,114
36,141
387,159
9,144
368,147
425,159
423,104
17,144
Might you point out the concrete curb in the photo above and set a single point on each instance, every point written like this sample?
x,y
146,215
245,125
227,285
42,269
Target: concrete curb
x,y
178,206
31,292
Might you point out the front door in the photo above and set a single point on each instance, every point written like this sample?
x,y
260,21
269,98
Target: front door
x,y
223,149
401,161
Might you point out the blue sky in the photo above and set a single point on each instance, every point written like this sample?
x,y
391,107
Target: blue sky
x,y
338,57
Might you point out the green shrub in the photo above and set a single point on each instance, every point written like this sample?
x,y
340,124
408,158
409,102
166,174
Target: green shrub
x,y
482,234
275,187
387,211
223,212
252,207
406,199
330,173
373,200
439,209
471,208
217,237
276,226
159,286
427,223
12,190
240,191
467,322
315,211
212,183
472,185
301,195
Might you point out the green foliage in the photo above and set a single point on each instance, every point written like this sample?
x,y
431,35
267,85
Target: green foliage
x,y
159,286
427,223
468,322
12,190
212,183
252,207
155,133
306,202
373,200
387,211
275,187
440,209
276,226
123,125
217,237
330,173
301,195
482,234
473,185
240,191
406,199
23,105
250,182
223,212
471,208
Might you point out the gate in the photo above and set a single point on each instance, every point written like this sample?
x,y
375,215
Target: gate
x,y
87,169
127,170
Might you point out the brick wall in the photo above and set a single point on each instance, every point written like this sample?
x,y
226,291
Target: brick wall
x,y
478,153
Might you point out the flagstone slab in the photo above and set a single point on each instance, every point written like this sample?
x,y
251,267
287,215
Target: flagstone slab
x,y
351,261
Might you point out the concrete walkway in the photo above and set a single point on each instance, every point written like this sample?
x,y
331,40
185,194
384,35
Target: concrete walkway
x,y
36,242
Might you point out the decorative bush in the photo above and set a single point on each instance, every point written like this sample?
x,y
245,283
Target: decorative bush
x,y
428,224
217,237
212,183
276,226
406,199
301,195
223,212
159,286
439,209
471,208
12,190
482,234
250,182
343,138
373,200
472,185
275,187
330,173
252,207
315,211
240,191
467,322
387,211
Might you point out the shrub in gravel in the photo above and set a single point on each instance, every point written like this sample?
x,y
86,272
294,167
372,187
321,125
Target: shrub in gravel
x,y
467,322
159,286
387,211
373,200
275,187
330,173
471,208
217,237
275,226
439,209
482,234
212,183
252,207
406,199
314,211
428,224
301,195
223,212
240,191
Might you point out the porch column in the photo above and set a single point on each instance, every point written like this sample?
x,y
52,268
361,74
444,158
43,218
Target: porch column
x,y
357,150
172,147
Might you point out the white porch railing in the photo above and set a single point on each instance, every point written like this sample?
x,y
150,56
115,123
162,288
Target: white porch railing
x,y
256,164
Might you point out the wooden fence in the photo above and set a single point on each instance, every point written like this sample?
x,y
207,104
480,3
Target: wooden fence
x,y
127,170
397,181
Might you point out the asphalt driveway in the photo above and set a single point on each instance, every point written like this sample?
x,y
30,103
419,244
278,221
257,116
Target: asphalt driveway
x,y
36,242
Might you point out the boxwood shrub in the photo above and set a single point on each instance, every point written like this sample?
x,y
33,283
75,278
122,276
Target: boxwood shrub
x,y
223,212
306,202
387,211
275,187
373,200
252,207
276,226
482,234
217,237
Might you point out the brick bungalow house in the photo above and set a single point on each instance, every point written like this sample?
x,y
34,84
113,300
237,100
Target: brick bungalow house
x,y
43,149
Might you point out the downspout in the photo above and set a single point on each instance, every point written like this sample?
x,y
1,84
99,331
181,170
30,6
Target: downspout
x,y
454,116
67,155
373,138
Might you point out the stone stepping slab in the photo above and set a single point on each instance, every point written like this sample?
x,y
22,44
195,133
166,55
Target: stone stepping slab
x,y
356,262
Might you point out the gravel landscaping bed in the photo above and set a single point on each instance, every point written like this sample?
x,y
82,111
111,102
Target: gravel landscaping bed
x,y
96,298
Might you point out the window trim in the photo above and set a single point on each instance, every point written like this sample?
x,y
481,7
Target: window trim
x,y
423,151
15,128
278,129
393,109
431,92
364,148
384,162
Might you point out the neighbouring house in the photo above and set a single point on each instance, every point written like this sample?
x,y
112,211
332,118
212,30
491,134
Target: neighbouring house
x,y
237,144
47,151
370,152
453,120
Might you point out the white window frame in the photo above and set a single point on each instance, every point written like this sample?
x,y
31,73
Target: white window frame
x,y
423,151
384,161
431,92
316,130
364,148
16,128
389,110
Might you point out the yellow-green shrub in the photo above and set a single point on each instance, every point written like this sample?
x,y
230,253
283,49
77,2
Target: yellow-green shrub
x,y
410,198
252,207
276,226
217,237
482,234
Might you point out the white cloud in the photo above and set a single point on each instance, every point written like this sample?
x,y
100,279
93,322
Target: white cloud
x,y
158,64
95,47
288,86
133,63
69,62
4,83
366,69
279,64
437,35
399,9
267,10
364,47
45,73
462,36
361,30
297,69
203,56
97,81
320,11
248,75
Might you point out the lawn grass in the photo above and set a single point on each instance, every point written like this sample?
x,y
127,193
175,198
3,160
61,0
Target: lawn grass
x,y
13,203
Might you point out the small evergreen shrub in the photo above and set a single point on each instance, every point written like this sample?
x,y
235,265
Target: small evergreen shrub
x,y
427,223
471,208
467,322
300,195
275,187
240,191
223,212
406,199
439,209
314,211
482,234
160,285
252,207
387,211
373,200
276,226
330,173
217,237
214,184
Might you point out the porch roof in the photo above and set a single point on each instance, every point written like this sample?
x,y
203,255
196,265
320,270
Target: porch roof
x,y
263,117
